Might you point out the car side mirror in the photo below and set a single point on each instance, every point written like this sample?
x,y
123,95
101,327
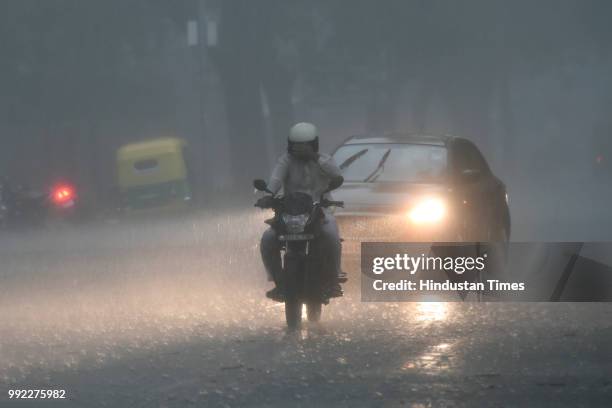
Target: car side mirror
x,y
334,184
261,185
470,175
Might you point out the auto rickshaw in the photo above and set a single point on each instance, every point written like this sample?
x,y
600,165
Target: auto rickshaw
x,y
153,173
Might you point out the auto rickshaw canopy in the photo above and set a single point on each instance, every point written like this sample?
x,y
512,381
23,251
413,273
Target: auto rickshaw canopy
x,y
151,162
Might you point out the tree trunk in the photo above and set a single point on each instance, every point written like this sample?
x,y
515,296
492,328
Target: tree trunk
x,y
278,85
238,61
508,125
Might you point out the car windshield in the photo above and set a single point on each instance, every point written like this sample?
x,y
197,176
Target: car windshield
x,y
405,162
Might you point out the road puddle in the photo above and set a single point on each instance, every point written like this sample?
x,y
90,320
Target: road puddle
x,y
434,360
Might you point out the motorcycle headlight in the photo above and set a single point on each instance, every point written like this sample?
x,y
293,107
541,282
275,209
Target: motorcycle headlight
x,y
429,210
295,224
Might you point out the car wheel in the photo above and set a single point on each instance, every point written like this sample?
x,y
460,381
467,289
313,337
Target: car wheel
x,y
496,249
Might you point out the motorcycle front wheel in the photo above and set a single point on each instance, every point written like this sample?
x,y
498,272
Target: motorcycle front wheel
x,y
293,304
293,314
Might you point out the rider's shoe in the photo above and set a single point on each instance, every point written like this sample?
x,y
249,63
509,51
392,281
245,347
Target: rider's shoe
x,y
276,294
342,277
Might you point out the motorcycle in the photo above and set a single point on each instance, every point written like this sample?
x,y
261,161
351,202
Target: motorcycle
x,y
62,201
21,207
297,222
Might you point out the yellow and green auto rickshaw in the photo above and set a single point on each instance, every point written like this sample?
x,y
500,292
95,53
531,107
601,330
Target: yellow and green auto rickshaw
x,y
153,173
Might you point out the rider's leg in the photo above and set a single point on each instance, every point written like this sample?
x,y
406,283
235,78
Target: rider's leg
x,y
270,254
332,249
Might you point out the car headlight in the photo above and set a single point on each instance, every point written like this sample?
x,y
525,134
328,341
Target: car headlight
x,y
429,210
295,224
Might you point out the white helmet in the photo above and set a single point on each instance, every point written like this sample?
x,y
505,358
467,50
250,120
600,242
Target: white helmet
x,y
304,132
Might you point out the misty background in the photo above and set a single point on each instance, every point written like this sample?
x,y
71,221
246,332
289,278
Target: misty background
x,y
528,81
170,311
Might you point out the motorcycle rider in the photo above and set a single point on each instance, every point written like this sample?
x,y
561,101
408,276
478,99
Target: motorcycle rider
x,y
303,169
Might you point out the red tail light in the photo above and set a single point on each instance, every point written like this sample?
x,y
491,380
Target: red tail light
x,y
62,194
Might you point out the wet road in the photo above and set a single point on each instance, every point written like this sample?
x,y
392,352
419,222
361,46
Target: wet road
x,y
172,313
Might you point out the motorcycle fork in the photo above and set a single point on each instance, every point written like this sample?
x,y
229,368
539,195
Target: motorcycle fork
x,y
296,264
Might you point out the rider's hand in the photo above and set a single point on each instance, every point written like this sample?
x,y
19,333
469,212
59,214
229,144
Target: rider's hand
x,y
265,202
314,156
304,152
307,156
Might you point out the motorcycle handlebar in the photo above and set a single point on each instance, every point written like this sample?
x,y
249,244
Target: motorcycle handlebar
x,y
271,202
266,202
